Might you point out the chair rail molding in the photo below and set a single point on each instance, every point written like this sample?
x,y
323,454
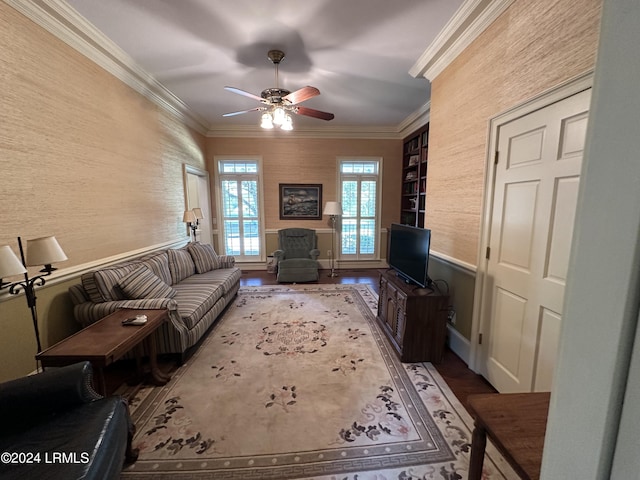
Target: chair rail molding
x,y
66,274
455,263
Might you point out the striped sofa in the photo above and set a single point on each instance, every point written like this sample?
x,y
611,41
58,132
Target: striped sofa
x,y
193,283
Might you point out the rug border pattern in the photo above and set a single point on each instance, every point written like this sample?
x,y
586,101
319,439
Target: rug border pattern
x,y
430,449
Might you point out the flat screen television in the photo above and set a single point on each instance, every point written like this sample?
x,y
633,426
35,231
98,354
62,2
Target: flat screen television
x,y
409,253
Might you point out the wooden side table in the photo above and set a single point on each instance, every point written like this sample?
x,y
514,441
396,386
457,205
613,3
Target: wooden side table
x,y
106,341
516,423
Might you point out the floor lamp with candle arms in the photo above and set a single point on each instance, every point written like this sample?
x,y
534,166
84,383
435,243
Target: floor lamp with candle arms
x,y
334,210
40,251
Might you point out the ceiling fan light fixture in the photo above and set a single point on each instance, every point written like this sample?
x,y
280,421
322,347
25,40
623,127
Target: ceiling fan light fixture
x,y
266,122
280,102
287,124
278,115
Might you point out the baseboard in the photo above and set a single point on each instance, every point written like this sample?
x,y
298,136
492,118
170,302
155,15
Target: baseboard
x,y
251,266
459,344
325,264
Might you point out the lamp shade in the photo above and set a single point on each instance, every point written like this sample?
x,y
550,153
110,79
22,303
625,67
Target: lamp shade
x,y
9,263
44,251
332,208
189,216
198,213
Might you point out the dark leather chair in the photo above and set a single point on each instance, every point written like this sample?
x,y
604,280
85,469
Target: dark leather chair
x,y
297,256
56,426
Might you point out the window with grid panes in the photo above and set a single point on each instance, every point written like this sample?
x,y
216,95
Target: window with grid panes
x,y
241,229
359,185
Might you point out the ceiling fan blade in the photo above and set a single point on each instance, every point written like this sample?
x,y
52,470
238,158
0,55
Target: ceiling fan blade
x,y
246,94
310,112
299,96
242,111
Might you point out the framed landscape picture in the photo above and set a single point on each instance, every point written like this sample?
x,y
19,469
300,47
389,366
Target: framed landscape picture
x,y
300,201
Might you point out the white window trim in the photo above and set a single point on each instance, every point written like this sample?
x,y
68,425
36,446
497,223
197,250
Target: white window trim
x,y
261,218
378,232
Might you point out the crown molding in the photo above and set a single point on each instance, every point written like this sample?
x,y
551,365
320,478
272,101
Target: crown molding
x,y
327,131
471,19
409,125
61,20
416,120
65,23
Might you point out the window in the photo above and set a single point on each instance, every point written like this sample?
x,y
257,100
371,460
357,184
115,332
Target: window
x,y
241,209
359,181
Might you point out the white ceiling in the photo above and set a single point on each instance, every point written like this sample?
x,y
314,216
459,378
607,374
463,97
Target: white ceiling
x,y
356,52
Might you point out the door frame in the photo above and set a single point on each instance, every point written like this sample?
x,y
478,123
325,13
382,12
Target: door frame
x,y
558,93
204,201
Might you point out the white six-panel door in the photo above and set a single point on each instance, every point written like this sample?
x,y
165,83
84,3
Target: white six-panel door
x,y
535,195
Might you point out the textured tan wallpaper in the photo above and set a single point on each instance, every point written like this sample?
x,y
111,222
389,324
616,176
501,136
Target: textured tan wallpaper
x,y
309,160
533,46
84,157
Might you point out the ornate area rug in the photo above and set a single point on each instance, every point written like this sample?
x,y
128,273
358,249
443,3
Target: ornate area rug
x,y
298,382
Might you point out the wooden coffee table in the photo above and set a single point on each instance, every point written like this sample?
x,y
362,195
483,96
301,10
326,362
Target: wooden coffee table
x,y
516,423
106,341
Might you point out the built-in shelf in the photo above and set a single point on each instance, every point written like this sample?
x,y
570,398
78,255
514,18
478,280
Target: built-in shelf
x,y
414,177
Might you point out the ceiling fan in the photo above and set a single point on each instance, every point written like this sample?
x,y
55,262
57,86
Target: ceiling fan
x,y
278,102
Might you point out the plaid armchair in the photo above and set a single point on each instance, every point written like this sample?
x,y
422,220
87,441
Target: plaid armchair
x,y
297,257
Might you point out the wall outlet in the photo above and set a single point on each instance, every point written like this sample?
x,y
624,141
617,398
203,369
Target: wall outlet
x,y
328,253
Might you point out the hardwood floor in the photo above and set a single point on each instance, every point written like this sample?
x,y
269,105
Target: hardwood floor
x,y
260,277
462,381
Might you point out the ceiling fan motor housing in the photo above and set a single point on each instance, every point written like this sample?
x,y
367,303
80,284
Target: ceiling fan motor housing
x,y
274,95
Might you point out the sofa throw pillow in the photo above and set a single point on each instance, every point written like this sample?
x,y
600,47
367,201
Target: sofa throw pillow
x,y
106,280
143,283
158,263
204,256
180,264
89,285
